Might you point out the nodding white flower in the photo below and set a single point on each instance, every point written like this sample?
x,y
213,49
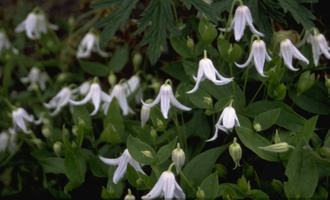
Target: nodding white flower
x,y
96,95
122,165
60,100
178,157
241,19
119,92
207,70
166,97
145,113
8,141
319,46
89,44
20,116
166,186
34,25
259,55
228,119
132,84
84,87
5,43
36,77
287,51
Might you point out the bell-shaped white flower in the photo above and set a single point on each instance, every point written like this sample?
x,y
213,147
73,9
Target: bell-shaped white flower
x,y
35,76
35,24
227,121
122,162
259,55
60,100
287,51
8,141
178,157
319,46
5,43
96,95
89,44
119,92
207,70
132,84
241,19
145,113
166,97
166,186
20,116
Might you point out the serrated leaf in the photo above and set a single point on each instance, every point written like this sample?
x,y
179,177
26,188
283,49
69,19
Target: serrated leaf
x,y
205,9
159,14
301,14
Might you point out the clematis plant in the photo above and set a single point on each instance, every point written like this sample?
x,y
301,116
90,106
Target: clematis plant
x,y
89,44
20,117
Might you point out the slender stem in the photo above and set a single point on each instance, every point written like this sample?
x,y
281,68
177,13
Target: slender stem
x,y
18,147
174,10
188,182
184,134
255,95
245,82
176,121
85,27
233,83
81,17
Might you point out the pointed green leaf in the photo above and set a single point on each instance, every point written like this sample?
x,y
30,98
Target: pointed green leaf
x,y
95,68
137,148
210,186
267,119
165,152
306,132
75,167
119,59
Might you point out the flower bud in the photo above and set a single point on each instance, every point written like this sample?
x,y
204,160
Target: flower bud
x,y
71,21
208,101
112,79
325,152
257,127
160,123
74,130
190,43
137,60
147,154
278,148
139,182
235,152
178,157
306,81
327,81
46,132
145,113
129,196
39,143
153,133
200,194
277,138
243,184
57,147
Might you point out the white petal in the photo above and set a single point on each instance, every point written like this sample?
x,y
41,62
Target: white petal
x,y
323,45
96,97
248,60
157,189
150,105
177,104
178,193
165,91
20,27
83,101
110,161
240,23
259,57
215,136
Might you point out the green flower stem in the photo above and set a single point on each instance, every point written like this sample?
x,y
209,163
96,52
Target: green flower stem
x,y
175,12
81,17
176,122
85,27
187,181
18,147
255,95
245,82
233,83
184,134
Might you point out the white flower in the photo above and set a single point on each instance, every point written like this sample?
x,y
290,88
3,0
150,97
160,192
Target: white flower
x,y
19,116
34,25
122,165
7,140
5,43
178,157
132,84
166,97
119,92
166,186
242,16
207,70
259,55
60,100
287,51
95,95
319,46
145,113
84,87
228,119
36,77
89,44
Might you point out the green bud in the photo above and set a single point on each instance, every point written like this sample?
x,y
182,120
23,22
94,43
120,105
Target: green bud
x,y
153,133
57,147
71,21
39,143
277,185
200,194
220,169
129,196
208,101
190,43
277,138
112,79
277,148
178,157
160,123
46,132
235,152
137,60
139,182
306,81
257,127
325,152
243,184
147,154
327,81
74,130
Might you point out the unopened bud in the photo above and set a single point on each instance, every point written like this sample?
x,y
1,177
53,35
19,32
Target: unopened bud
x,y
257,127
39,143
71,21
243,184
46,132
74,130
208,101
147,154
137,60
325,152
235,152
190,43
145,113
129,196
277,138
112,79
153,133
278,148
73,145
57,147
139,182
200,194
160,123
178,157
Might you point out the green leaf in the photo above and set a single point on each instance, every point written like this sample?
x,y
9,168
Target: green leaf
x,y
302,174
267,119
98,168
234,54
205,9
53,165
80,112
165,152
233,187
223,47
114,117
119,59
71,185
210,186
200,167
134,178
136,148
159,14
197,98
176,70
95,68
180,46
301,14
306,132
112,191
118,16
253,140
75,167
110,135
317,157
207,30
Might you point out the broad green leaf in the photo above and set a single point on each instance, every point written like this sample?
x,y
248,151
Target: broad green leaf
x,y
114,117
210,186
276,90
200,167
267,119
209,34
53,165
134,178
119,59
97,167
137,148
253,140
234,53
306,132
180,46
257,194
165,152
75,167
223,47
110,135
176,70
95,68
197,98
317,157
302,173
